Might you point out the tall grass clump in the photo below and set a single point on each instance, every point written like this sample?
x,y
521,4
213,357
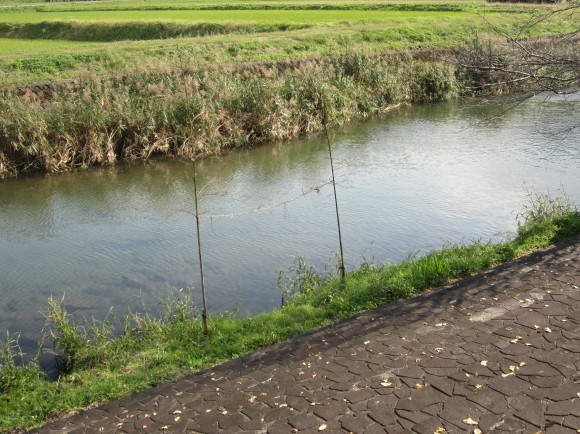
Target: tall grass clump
x,y
15,370
545,218
111,359
185,112
77,345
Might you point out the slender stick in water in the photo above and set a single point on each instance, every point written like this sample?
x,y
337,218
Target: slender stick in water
x,y
204,311
341,268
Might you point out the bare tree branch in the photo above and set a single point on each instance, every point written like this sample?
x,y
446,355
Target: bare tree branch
x,y
549,63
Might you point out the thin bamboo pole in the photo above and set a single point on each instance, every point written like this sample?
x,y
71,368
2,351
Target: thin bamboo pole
x,y
203,297
341,268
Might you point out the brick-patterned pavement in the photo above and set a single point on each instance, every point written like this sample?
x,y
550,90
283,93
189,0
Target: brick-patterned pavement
x,y
499,351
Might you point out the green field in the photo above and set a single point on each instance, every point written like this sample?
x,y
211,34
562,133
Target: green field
x,y
36,46
316,17
48,41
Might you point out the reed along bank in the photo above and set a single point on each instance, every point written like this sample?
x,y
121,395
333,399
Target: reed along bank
x,y
183,112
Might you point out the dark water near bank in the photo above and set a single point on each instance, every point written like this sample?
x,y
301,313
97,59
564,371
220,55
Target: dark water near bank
x,y
407,182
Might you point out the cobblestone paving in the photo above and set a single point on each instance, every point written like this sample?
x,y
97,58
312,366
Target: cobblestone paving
x,y
496,352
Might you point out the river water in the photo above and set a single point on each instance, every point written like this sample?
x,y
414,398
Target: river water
x,y
407,182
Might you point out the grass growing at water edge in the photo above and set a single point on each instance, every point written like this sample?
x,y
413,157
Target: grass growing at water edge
x,y
187,112
99,366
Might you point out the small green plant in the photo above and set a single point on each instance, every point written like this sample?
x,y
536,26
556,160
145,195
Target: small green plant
x,y
77,345
546,219
300,278
541,207
15,369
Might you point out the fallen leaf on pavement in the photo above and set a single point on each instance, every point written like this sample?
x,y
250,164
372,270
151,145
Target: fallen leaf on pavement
x,y
470,421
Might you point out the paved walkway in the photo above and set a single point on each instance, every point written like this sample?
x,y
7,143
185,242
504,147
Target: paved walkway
x,y
496,352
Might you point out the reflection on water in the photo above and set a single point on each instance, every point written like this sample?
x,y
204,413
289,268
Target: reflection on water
x,y
407,182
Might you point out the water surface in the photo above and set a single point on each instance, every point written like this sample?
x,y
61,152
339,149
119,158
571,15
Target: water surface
x,y
407,183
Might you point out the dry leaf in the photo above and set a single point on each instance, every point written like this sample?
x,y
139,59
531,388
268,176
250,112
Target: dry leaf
x,y
441,324
476,431
513,368
548,329
483,362
367,342
469,421
478,386
522,363
322,427
439,430
418,386
177,418
176,412
252,399
507,375
164,427
386,384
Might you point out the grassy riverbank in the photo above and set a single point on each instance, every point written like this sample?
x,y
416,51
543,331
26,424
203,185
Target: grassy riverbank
x,y
102,365
180,82
187,112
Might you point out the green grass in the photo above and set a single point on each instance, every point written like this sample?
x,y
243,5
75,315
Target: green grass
x,y
36,46
158,32
149,350
251,16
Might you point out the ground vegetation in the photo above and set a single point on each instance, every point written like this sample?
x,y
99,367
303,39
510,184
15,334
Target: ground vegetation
x,y
145,83
104,360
